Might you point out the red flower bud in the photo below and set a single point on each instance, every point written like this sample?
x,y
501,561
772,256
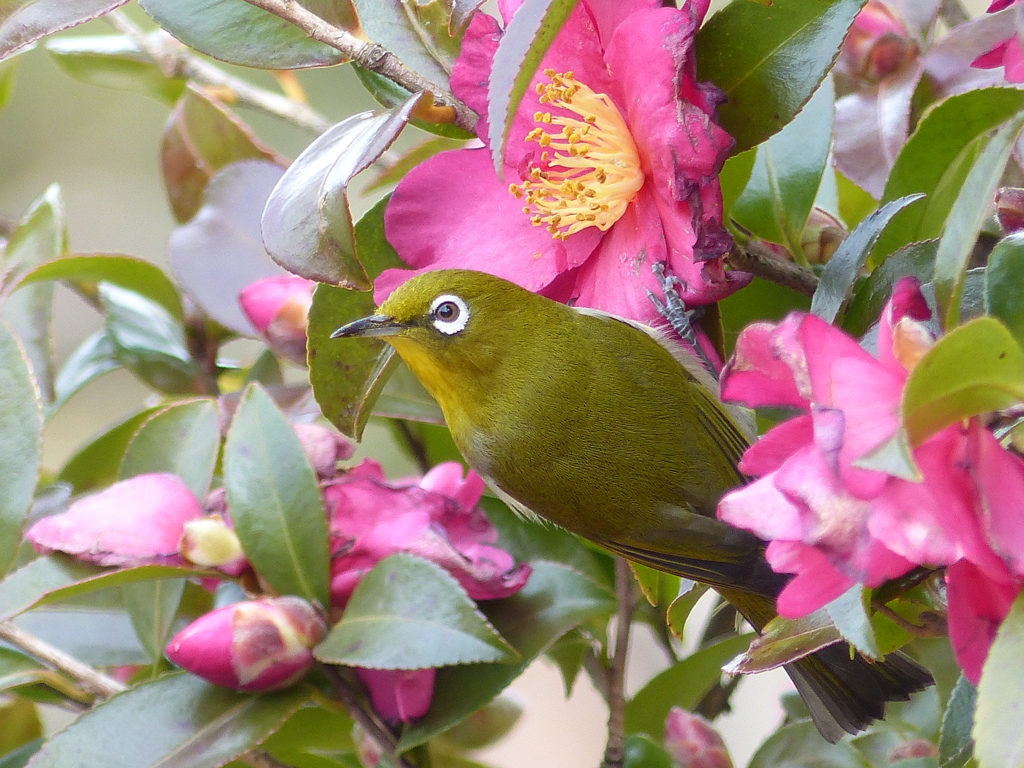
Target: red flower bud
x,y
257,645
1010,209
692,742
878,43
911,749
399,694
279,309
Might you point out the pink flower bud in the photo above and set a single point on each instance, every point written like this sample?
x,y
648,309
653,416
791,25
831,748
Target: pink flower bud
x,y
912,748
878,43
209,541
257,645
279,309
822,236
399,694
134,522
1010,209
692,742
324,447
367,749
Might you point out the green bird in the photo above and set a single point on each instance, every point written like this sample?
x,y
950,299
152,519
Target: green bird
x,y
605,428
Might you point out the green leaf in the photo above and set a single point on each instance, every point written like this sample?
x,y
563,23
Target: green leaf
x,y
275,501
114,61
799,745
21,723
966,217
841,271
416,31
760,300
307,225
148,340
956,747
177,719
409,613
403,397
641,751
648,580
568,654
390,94
787,173
973,369
854,203
21,435
390,176
183,439
91,359
1003,278
850,616
8,76
153,606
916,259
56,577
681,685
98,463
785,640
680,608
24,21
311,732
998,737
935,160
554,600
239,33
769,60
734,177
527,37
41,235
85,272
20,757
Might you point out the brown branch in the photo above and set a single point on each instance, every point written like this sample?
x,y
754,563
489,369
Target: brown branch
x,y
175,60
759,261
368,55
932,624
625,592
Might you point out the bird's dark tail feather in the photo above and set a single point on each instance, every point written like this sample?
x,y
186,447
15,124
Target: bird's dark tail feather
x,y
843,694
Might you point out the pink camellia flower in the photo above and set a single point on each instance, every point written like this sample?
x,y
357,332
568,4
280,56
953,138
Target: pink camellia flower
x,y
692,742
1008,53
325,448
279,309
256,645
834,523
610,167
399,695
134,522
878,43
435,518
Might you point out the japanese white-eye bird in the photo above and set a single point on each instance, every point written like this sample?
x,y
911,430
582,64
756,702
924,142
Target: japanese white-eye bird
x,y
603,427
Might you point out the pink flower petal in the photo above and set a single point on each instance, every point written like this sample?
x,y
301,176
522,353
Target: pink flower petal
x,y
133,522
758,374
906,301
822,345
1013,61
762,509
399,695
977,606
264,300
780,443
447,479
999,475
993,58
816,583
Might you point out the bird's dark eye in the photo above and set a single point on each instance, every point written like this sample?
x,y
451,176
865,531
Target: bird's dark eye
x,y
447,311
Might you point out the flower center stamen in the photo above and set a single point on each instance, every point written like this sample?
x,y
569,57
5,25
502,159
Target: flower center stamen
x,y
589,171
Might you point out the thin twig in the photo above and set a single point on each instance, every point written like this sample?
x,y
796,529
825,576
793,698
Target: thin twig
x,y
374,728
759,261
932,624
414,444
625,592
368,55
175,60
953,13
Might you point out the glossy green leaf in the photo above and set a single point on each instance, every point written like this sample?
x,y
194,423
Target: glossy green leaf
x,y
1003,279
785,640
568,654
799,745
527,37
840,273
956,745
41,235
239,33
681,685
760,300
177,719
554,600
148,340
275,502
998,737
307,225
787,174
21,435
312,732
734,177
220,250
183,439
409,613
97,464
84,273
390,94
403,397
114,61
153,606
916,259
975,368
202,136
24,21
56,577
850,616
348,374
966,217
769,60
680,608
19,758
21,723
933,161
395,173
641,751
416,31
854,203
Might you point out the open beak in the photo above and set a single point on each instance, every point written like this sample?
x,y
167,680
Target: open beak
x,y
374,325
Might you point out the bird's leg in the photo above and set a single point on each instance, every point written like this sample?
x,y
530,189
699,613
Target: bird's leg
x,y
679,317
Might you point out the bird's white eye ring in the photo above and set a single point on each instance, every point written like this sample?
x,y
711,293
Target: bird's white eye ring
x,y
450,314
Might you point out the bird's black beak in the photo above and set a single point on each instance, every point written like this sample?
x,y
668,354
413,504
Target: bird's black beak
x,y
374,325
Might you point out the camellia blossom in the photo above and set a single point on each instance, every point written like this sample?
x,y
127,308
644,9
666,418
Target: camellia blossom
x,y
834,523
435,518
399,695
610,167
279,309
1008,53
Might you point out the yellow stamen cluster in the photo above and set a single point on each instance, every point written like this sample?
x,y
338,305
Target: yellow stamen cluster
x,y
589,171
